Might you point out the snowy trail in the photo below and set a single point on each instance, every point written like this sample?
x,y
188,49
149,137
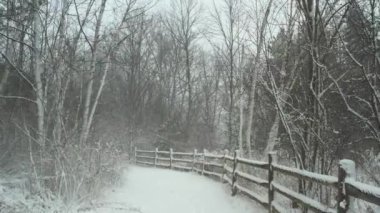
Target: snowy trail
x,y
151,190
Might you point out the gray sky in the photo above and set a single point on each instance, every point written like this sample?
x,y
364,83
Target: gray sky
x,y
207,4
115,10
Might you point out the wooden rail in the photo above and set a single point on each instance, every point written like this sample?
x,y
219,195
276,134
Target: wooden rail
x,y
344,183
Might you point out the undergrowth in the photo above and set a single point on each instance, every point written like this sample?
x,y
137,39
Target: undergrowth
x,y
62,180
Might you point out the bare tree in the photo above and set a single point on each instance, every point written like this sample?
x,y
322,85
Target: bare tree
x,y
231,25
40,96
182,24
254,74
87,119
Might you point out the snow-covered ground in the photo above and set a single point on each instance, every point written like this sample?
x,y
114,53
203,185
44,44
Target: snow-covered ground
x,y
151,190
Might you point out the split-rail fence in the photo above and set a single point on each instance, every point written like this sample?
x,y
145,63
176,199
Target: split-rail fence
x,y
228,167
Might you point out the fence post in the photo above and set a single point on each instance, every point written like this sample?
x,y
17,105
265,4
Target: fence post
x,y
346,170
194,158
155,157
234,177
135,155
224,165
271,160
203,161
171,157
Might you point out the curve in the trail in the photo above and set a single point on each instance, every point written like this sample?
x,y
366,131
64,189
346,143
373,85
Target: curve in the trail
x,y
152,190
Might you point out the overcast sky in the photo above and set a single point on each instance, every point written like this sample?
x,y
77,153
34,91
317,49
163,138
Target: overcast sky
x,y
115,9
207,4
160,6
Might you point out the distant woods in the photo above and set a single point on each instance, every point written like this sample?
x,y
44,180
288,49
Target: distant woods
x,y
297,76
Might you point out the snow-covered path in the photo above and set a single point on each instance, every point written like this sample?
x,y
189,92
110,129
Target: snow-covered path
x,y
151,190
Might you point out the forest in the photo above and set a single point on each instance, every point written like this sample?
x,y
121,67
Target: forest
x,y
83,82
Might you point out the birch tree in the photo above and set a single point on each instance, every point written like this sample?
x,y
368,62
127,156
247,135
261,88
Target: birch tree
x,y
284,49
37,69
87,119
254,74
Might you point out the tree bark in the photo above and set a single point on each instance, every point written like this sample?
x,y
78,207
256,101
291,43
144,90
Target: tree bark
x,y
37,75
272,136
254,76
86,119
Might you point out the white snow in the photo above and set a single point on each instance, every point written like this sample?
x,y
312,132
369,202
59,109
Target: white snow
x,y
325,179
153,190
349,167
315,205
365,188
252,162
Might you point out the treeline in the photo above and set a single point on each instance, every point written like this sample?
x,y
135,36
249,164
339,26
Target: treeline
x,y
82,80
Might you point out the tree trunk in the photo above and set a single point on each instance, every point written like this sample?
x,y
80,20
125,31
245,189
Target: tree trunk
x,y
4,77
100,90
60,91
255,75
89,91
37,76
241,125
189,90
273,133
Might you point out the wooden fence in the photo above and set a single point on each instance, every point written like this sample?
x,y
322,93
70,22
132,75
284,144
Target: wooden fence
x,y
227,166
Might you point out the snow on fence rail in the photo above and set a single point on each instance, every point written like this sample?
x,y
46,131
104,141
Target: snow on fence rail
x,y
344,183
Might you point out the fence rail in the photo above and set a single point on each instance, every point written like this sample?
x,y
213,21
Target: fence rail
x,y
201,163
